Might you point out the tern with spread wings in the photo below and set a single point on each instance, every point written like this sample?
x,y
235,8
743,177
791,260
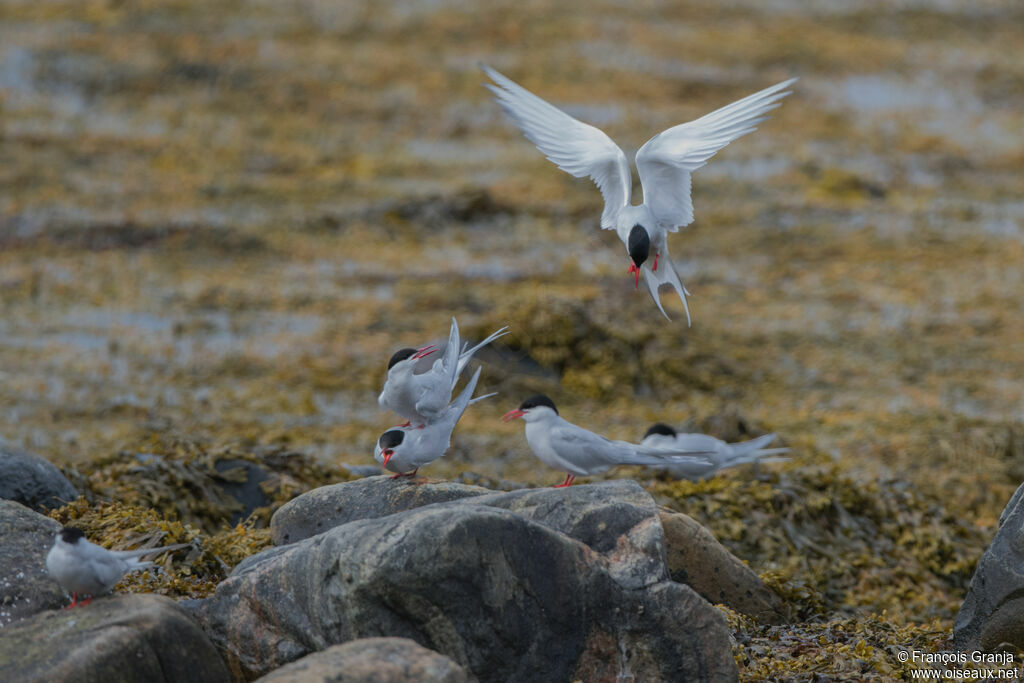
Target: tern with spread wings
x,y
664,164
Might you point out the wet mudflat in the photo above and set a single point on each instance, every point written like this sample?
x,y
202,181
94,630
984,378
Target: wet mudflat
x,y
217,222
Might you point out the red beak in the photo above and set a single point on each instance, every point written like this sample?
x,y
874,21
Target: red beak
x,y
634,269
424,352
512,414
387,453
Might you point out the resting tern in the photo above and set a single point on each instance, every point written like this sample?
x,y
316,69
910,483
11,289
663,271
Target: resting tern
x,y
664,164
84,568
406,448
560,444
722,454
421,398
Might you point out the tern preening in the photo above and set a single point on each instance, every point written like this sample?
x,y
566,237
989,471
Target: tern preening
x,y
404,450
664,164
421,397
721,454
562,445
84,568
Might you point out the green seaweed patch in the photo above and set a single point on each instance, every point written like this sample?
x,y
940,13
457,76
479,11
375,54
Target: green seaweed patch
x,y
837,547
598,347
854,649
198,484
191,572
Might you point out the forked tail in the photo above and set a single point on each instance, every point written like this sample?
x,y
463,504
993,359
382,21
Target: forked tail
x,y
665,275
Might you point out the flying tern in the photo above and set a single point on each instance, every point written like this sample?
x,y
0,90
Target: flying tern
x,y
722,454
562,445
84,568
664,164
421,397
404,450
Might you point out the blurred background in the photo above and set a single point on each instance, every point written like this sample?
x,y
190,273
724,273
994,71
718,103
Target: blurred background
x,y
218,221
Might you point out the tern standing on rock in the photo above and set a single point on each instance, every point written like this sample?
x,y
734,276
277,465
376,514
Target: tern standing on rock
x,y
722,454
562,445
421,398
664,163
404,450
84,568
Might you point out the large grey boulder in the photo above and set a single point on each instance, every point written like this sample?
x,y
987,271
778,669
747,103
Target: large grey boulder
x,y
318,510
371,660
25,586
992,612
122,638
696,558
535,585
32,480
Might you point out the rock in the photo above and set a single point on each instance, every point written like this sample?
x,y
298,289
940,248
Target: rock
x,y
991,612
1005,626
318,510
383,660
25,585
32,480
122,638
537,585
241,480
696,558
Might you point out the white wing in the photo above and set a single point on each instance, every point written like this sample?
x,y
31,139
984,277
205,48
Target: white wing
x,y
666,160
584,452
575,147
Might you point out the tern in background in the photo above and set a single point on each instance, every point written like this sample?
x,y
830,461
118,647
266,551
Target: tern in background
x,y
664,163
421,397
562,445
722,454
404,450
84,568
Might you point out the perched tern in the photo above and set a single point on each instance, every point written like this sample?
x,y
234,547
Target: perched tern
x,y
722,454
664,164
421,397
404,450
84,568
560,444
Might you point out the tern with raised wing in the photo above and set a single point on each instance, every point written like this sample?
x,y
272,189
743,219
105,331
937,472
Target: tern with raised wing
x,y
421,397
664,164
404,450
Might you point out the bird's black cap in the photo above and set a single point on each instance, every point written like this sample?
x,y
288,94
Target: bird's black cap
x,y
70,534
538,400
400,355
660,428
391,438
639,245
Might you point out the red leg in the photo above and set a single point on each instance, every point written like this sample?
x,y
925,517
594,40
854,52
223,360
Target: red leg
x,y
407,424
405,474
569,479
656,255
74,600
87,601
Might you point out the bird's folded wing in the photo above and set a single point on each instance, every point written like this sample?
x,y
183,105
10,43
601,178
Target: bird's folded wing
x,y
575,147
665,161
